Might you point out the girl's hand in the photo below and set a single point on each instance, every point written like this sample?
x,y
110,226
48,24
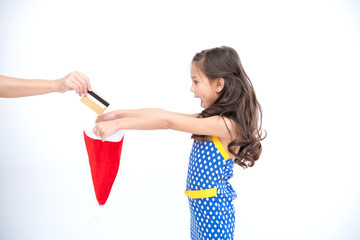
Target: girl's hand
x,y
74,81
107,117
105,129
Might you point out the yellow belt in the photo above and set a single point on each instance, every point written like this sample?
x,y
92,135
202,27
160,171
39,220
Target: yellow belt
x,y
212,192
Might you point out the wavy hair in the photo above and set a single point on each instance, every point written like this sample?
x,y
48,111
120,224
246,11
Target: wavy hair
x,y
237,102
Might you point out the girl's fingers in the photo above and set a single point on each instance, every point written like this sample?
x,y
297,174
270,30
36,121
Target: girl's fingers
x,y
105,117
95,130
103,130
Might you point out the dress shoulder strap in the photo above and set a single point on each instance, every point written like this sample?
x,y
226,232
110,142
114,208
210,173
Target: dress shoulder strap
x,y
220,147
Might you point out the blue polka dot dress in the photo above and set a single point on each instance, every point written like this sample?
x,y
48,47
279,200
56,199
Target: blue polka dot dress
x,y
209,192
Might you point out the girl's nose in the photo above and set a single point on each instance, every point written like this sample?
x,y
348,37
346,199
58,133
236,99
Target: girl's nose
x,y
192,88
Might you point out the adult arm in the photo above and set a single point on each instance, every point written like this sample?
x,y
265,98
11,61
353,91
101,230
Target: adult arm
x,y
11,87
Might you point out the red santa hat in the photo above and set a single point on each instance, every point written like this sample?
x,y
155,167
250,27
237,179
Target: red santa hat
x,y
104,159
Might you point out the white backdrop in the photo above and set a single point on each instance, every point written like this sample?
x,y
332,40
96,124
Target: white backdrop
x,y
302,58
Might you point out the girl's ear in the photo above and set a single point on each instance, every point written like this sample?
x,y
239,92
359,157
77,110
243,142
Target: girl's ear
x,y
219,84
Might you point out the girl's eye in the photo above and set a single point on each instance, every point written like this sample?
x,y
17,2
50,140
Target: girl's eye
x,y
195,82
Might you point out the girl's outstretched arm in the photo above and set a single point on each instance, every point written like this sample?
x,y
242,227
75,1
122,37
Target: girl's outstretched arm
x,y
151,119
134,113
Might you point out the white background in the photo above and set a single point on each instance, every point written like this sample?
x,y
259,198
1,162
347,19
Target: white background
x,y
302,57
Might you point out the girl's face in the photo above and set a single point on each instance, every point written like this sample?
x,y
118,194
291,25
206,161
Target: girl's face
x,y
202,87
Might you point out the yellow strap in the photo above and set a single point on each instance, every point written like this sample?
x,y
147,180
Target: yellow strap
x,y
212,192
220,147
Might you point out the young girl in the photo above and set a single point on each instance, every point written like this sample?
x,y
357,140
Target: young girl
x,y
227,131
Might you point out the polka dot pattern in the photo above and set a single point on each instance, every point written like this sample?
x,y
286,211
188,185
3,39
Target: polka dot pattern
x,y
211,218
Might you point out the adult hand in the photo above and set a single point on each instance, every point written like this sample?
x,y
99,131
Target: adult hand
x,y
74,81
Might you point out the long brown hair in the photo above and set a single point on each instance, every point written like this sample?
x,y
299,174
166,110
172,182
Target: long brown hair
x,y
237,102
